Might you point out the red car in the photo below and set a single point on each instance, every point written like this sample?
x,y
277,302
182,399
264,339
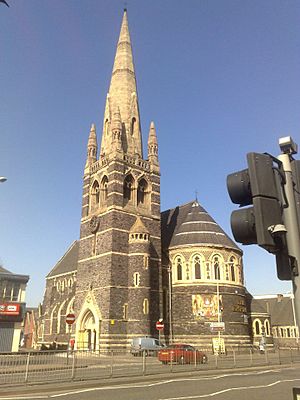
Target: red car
x,y
182,354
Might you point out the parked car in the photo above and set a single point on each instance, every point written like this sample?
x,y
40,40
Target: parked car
x,y
149,345
182,354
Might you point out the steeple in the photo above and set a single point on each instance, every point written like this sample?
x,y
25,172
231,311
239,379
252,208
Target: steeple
x,y
152,145
92,147
123,95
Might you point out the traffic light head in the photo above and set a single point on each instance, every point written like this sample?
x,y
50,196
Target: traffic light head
x,y
257,186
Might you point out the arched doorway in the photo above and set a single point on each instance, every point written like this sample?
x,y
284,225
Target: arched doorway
x,y
88,332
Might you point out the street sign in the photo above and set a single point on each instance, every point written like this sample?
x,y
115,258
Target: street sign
x,y
70,319
217,326
159,325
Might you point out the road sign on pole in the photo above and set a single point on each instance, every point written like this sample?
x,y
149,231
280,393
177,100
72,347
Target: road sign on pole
x,y
70,319
160,325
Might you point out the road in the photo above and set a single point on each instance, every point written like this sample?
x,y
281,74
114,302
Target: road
x,y
275,384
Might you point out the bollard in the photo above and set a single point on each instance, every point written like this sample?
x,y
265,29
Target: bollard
x,y
251,357
195,358
216,360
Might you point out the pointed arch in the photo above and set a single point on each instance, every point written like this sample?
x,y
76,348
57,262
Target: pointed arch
x,y
59,317
95,195
133,126
217,263
142,192
128,189
232,264
103,191
178,263
52,318
197,266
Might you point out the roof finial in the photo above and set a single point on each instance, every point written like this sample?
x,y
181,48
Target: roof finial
x,y
195,203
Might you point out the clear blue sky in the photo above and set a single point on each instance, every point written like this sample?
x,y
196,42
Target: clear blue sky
x,y
219,78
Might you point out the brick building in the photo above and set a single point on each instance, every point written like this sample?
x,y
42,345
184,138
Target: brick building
x,y
133,264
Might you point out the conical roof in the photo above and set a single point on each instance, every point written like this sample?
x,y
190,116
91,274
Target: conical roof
x,y
123,94
138,227
191,225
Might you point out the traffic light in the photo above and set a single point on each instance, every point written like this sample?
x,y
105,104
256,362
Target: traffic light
x,y
261,223
255,186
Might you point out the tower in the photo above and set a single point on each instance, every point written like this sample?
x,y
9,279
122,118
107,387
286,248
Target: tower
x,y
119,263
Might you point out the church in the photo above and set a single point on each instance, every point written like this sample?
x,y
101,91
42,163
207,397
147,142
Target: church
x,y
134,265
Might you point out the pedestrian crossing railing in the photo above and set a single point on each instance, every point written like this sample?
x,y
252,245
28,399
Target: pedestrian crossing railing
x,y
48,366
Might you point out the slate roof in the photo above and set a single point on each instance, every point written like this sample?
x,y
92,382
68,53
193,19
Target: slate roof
x,y
4,271
280,308
7,275
190,224
68,262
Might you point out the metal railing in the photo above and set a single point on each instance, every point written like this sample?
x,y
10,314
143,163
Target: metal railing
x,y
48,366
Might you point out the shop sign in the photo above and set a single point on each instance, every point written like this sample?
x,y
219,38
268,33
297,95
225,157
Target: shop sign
x,y
9,309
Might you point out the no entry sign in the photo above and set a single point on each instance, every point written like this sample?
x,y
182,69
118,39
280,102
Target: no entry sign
x,y
159,325
70,319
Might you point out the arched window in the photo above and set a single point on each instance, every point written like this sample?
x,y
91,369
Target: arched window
x,y
257,327
267,327
197,267
232,268
136,279
104,184
142,192
133,122
95,194
179,269
146,306
128,188
216,265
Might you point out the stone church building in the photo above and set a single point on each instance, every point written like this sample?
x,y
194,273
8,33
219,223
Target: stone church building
x,y
134,264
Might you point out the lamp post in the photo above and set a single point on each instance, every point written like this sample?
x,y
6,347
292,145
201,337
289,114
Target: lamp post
x,y
170,304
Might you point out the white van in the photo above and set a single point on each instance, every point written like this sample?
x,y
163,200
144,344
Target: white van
x,y
149,345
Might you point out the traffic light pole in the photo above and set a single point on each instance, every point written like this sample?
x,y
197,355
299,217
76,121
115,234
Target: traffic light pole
x,y
291,224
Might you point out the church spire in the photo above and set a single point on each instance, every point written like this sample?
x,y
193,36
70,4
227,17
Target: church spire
x,y
152,145
123,95
92,146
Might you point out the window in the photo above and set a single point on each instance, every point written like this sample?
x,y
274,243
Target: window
x,y
15,292
267,327
179,269
136,279
216,265
197,267
133,123
141,192
95,195
128,188
257,327
146,262
104,189
146,306
232,268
